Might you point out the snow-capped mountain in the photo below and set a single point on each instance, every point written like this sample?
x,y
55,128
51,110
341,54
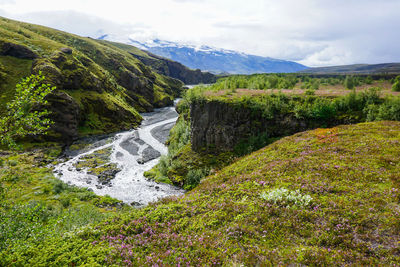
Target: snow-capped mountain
x,y
211,59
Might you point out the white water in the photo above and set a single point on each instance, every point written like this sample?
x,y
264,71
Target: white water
x,y
129,185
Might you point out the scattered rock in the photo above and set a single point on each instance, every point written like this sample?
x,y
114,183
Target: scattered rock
x,y
149,153
99,186
129,146
107,173
66,50
136,204
4,153
157,187
140,141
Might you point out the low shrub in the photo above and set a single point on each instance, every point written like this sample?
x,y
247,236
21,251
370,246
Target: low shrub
x,y
194,177
286,198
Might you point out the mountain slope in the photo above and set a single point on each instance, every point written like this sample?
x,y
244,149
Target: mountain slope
x,y
167,67
212,59
386,68
100,87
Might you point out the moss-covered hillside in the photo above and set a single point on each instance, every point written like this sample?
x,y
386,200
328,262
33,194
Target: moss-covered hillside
x,y
100,87
322,197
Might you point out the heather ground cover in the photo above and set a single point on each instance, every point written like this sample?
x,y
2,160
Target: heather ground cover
x,y
321,197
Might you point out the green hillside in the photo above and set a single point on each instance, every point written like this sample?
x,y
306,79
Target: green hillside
x,y
100,87
322,197
385,68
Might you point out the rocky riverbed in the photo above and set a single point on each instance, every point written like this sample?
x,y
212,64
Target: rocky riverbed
x,y
114,164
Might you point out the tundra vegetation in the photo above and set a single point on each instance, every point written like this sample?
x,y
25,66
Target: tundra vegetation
x,y
344,180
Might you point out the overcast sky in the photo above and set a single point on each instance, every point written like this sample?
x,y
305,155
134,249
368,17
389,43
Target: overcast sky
x,y
311,32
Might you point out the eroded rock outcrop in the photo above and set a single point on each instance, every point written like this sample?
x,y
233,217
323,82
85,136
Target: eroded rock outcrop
x,y
16,50
218,125
65,113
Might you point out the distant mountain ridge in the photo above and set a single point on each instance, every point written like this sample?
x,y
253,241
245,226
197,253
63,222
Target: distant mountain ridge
x,y
384,68
212,59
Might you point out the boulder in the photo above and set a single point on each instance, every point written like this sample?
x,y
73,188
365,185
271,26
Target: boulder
x,y
16,50
66,50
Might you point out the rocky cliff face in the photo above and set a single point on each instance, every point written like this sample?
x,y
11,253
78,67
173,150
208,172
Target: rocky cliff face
x,y
219,126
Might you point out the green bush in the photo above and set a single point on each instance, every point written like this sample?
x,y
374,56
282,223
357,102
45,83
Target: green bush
x,y
23,222
194,177
253,143
21,118
106,201
286,198
86,195
59,186
65,200
396,86
12,163
349,82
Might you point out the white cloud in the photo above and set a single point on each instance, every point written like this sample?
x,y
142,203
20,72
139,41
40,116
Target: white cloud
x,y
6,2
309,31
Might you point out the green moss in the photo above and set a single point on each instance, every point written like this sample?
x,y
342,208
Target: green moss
x,y
102,111
11,75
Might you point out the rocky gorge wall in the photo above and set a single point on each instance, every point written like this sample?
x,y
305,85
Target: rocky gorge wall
x,y
219,126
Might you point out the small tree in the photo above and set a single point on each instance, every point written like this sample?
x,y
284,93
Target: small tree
x,y
22,118
396,84
349,82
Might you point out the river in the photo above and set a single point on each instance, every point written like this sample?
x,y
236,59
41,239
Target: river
x,y
129,154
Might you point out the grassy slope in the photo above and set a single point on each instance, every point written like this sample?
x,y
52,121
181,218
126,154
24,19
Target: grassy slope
x,y
98,66
351,172
11,72
35,206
